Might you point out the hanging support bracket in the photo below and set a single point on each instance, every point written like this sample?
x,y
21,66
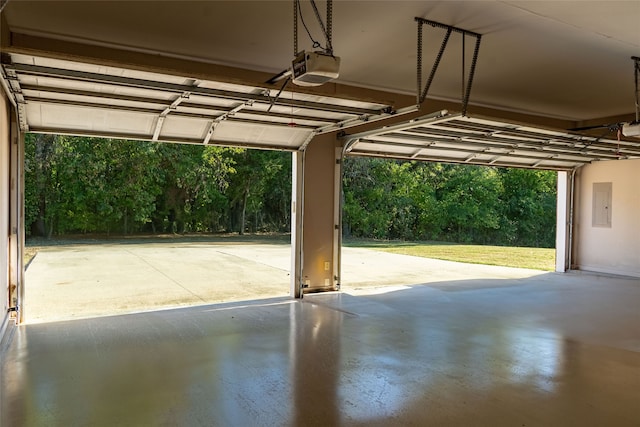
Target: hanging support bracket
x,y
326,26
467,77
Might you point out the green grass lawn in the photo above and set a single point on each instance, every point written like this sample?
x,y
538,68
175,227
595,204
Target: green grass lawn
x,y
535,258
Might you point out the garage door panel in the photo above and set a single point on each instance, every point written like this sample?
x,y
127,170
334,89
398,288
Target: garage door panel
x,y
211,102
65,118
181,127
87,99
95,68
34,114
268,135
392,149
52,85
294,112
77,98
461,139
70,97
213,111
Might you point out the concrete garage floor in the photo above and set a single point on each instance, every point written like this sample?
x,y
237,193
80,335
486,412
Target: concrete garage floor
x,y
86,280
537,350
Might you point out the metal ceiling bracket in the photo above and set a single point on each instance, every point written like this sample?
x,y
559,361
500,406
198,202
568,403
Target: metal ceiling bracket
x,y
327,30
159,123
539,162
471,157
223,117
234,110
421,149
165,113
212,128
495,159
366,118
467,78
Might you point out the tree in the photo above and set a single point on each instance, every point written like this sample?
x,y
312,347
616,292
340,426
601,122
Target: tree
x,y
468,196
391,199
103,185
366,183
92,185
529,206
251,191
39,154
195,179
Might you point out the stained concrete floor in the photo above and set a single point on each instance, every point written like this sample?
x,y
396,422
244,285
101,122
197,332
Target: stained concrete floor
x,y
537,350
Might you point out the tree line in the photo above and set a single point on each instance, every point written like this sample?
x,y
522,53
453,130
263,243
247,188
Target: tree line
x,y
111,186
454,203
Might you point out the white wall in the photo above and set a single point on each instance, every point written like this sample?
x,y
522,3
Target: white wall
x,y
616,249
4,209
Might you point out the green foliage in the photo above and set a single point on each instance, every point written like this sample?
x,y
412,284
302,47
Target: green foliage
x,y
387,199
260,191
91,185
81,184
529,206
194,180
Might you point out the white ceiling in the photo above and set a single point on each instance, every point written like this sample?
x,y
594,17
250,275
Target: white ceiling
x,y
562,59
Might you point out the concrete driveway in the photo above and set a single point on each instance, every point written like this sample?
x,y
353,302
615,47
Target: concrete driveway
x,y
85,280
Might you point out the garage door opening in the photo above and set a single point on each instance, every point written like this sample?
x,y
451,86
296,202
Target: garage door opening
x,y
122,226
447,218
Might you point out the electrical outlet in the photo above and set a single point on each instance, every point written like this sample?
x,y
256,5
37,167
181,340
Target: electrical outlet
x,y
327,265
